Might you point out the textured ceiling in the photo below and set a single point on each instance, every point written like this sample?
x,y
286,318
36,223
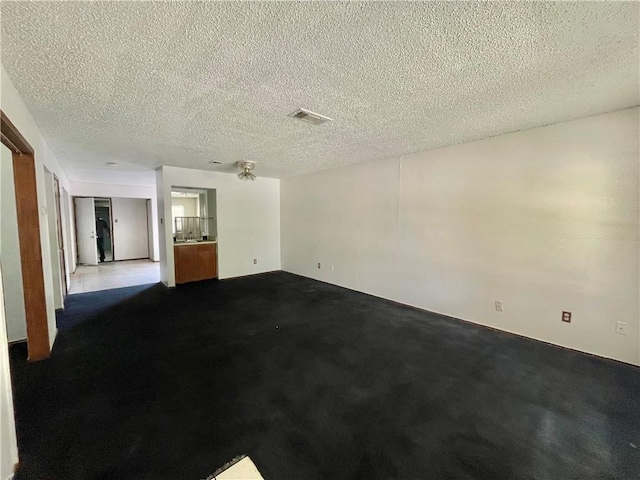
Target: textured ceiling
x,y
182,83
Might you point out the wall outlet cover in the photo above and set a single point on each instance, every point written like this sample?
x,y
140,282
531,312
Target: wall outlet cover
x,y
499,306
621,328
566,317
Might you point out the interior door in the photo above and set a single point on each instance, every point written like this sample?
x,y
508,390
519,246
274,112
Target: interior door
x,y
61,246
86,231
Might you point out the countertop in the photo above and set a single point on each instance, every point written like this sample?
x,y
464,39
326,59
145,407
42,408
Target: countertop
x,y
203,242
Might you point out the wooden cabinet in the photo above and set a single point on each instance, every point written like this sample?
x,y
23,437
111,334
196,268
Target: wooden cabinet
x,y
207,262
195,262
186,262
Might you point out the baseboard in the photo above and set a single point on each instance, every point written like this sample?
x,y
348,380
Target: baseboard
x,y
130,259
254,274
55,337
12,475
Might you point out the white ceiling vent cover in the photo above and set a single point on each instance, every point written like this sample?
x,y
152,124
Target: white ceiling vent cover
x,y
310,117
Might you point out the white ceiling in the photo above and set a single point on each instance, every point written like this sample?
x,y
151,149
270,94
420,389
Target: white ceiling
x,y
182,83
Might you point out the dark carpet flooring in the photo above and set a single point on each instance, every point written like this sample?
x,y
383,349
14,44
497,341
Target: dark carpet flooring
x,y
313,382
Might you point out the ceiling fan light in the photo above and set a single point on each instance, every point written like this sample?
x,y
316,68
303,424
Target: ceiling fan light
x,y
246,174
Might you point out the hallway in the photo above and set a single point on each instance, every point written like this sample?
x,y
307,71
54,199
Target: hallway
x,y
88,278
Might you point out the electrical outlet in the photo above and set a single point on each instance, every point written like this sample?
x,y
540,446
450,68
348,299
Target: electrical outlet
x,y
332,268
621,328
499,306
566,317
318,264
255,261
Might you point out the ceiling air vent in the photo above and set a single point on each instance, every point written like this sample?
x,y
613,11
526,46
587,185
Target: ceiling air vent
x,y
309,117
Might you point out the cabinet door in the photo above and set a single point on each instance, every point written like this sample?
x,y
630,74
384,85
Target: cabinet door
x,y
207,264
186,263
177,266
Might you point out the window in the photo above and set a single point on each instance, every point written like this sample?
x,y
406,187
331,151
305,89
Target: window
x,y
176,211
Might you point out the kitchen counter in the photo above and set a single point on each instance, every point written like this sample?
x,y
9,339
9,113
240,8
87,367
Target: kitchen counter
x,y
202,242
195,261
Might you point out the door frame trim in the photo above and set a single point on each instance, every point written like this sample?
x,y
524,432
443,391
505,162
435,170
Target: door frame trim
x,y
75,217
28,213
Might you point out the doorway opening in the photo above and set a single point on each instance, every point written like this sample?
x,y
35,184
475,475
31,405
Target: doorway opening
x,y
113,244
104,229
29,245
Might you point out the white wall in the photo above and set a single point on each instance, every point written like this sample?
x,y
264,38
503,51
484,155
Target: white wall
x,y
12,105
248,221
130,232
8,441
105,190
544,220
10,253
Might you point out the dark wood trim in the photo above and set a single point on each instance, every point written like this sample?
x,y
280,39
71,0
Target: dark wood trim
x,y
35,304
10,131
27,209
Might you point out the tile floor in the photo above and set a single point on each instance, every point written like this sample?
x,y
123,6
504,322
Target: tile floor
x,y
108,275
245,469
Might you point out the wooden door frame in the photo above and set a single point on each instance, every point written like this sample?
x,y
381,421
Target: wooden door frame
x,y
28,213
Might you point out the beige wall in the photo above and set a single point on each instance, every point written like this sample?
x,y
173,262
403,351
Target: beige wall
x,y
8,441
130,228
544,220
10,253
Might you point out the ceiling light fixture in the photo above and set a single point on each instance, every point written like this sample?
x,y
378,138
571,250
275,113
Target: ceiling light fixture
x,y
246,168
310,117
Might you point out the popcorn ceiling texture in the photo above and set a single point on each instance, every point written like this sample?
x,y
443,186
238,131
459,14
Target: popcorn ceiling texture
x,y
182,83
